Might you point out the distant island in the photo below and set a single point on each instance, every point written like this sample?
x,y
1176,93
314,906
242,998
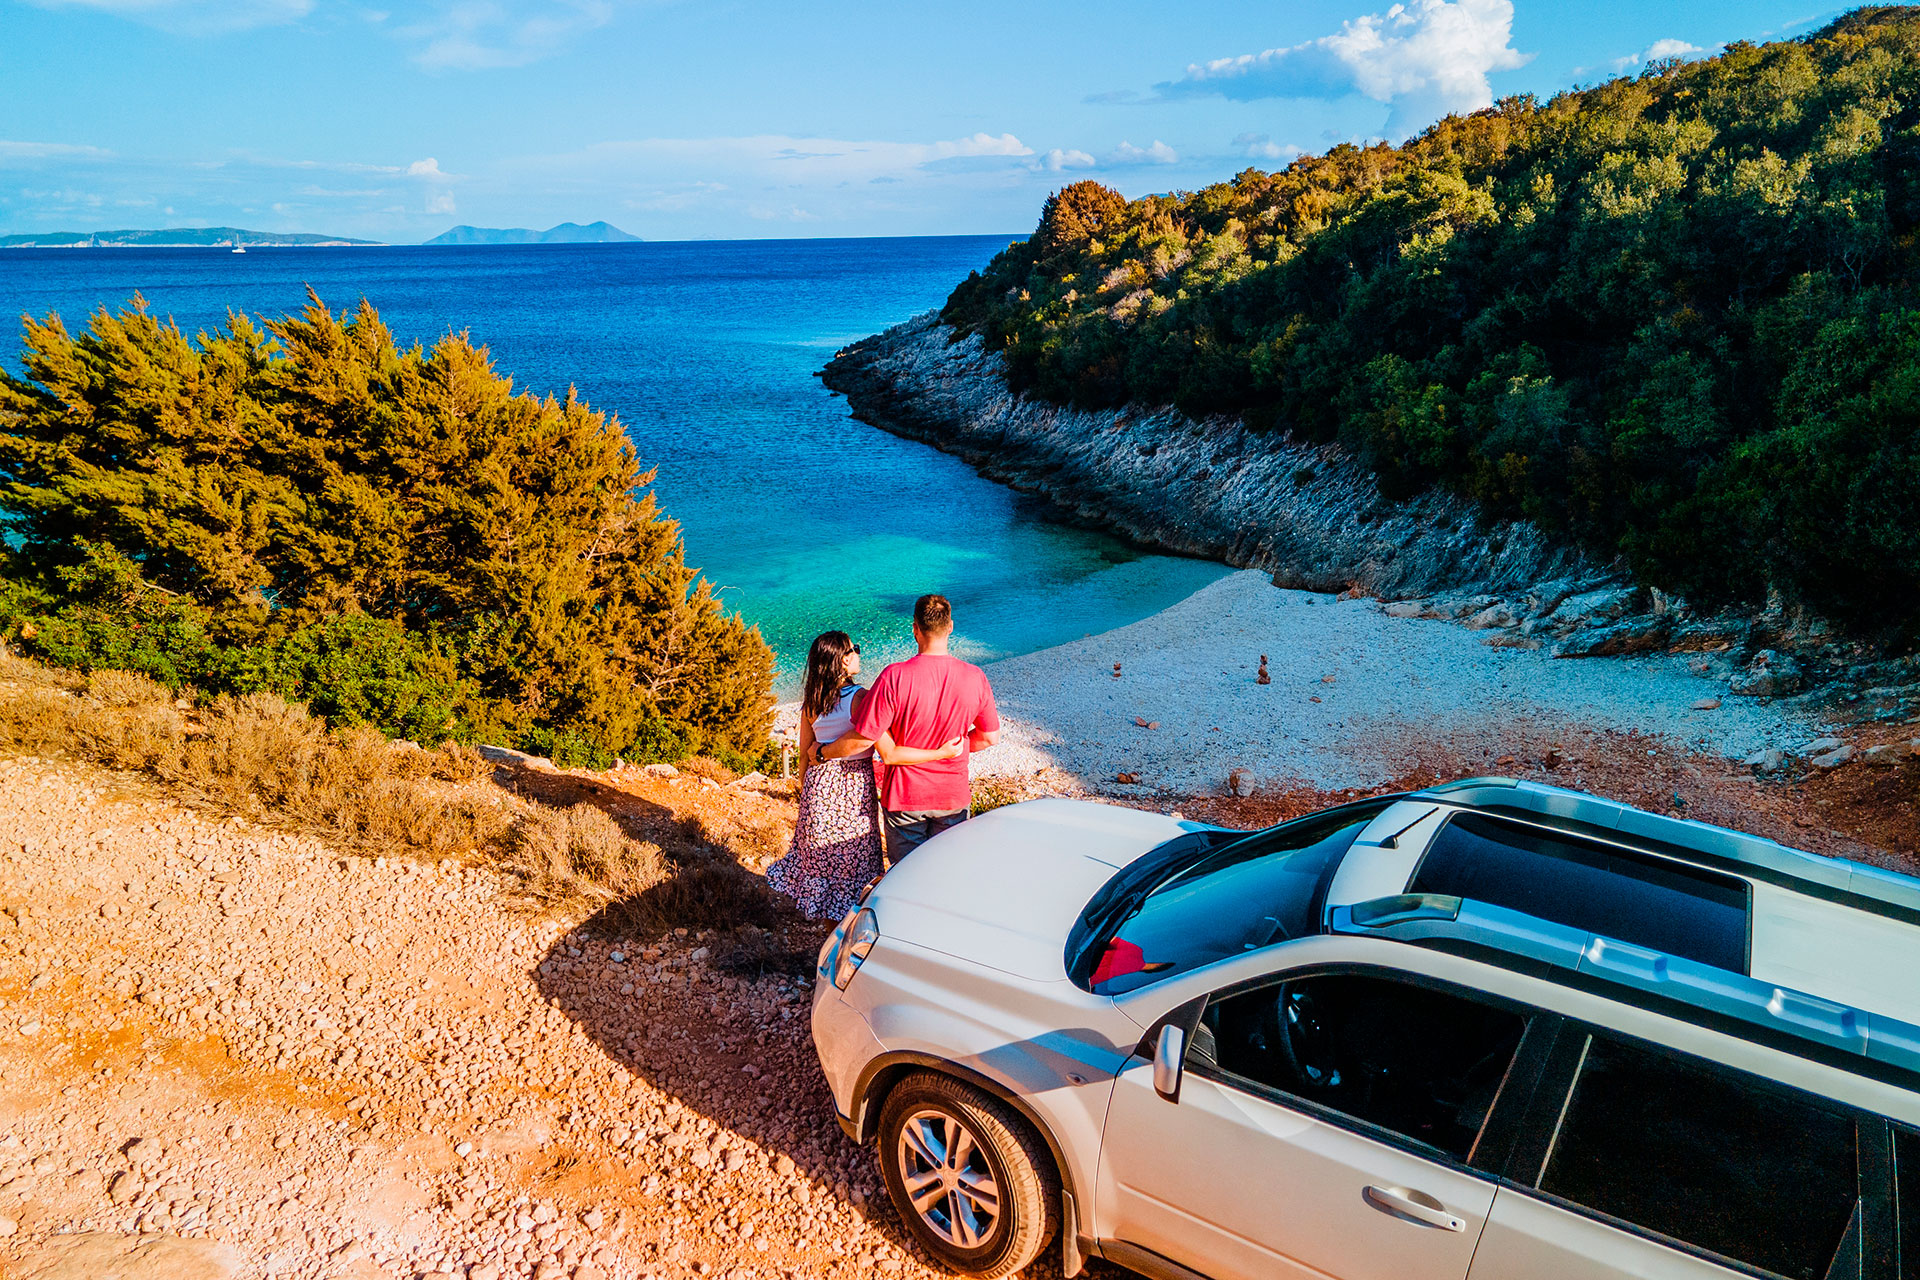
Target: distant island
x,y
177,238
565,233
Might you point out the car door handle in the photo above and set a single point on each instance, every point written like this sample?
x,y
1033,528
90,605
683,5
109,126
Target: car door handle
x,y
1412,1204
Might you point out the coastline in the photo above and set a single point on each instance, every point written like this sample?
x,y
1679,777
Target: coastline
x,y
1399,687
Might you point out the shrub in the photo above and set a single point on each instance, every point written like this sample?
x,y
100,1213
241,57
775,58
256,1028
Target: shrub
x,y
567,750
259,755
353,670
581,858
302,507
993,793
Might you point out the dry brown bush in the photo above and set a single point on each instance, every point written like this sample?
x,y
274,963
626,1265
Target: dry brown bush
x,y
36,720
580,858
708,767
126,689
25,671
264,757
257,755
458,762
708,892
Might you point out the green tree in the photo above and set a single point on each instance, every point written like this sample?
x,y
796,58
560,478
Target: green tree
x,y
277,477
1604,311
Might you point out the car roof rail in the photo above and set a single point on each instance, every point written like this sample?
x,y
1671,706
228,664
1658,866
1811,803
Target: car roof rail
x,y
1442,920
1701,843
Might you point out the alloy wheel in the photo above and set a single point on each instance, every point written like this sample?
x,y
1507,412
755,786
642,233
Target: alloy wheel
x,y
944,1170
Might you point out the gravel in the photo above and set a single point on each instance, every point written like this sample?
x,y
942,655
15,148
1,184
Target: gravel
x,y
339,1068
1352,690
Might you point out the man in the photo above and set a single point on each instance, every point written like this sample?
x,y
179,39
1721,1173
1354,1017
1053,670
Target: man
x,y
928,701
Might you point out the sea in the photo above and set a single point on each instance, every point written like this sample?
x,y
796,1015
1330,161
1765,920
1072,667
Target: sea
x,y
805,519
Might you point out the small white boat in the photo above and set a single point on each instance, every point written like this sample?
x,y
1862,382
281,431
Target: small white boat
x,y
239,248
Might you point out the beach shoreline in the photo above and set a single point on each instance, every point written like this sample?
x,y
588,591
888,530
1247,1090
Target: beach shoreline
x,y
1356,697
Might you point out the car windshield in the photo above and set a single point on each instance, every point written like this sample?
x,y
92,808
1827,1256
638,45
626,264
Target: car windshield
x,y
1253,893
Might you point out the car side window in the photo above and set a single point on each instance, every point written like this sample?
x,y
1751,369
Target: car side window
x,y
1906,1164
1716,1158
1423,1063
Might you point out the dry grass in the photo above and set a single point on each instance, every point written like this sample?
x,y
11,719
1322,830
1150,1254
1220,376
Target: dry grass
x,y
992,793
579,857
269,759
580,860
256,755
708,767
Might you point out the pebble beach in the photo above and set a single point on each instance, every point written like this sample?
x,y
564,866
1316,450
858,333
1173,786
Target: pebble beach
x,y
1352,691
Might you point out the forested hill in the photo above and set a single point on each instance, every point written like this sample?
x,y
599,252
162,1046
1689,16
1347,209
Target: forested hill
x,y
1674,316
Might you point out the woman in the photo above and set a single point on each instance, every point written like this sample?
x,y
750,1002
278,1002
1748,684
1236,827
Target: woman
x,y
836,837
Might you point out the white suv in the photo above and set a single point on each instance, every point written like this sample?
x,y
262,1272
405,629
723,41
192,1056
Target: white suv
x,y
1492,1030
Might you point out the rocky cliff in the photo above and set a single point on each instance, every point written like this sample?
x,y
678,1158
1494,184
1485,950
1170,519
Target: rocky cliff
x,y
1314,517
1307,513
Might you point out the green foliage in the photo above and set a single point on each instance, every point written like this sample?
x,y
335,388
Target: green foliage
x,y
354,669
393,536
102,616
1671,316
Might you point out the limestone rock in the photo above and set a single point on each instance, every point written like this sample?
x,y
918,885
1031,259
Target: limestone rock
x,y
1635,635
1770,675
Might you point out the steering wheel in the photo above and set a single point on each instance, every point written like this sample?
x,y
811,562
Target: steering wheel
x,y
1302,1039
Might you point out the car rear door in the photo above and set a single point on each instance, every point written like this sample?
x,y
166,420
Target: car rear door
x,y
1637,1161
1326,1125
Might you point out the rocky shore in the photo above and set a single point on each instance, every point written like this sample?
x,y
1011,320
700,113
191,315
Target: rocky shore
x,y
1314,518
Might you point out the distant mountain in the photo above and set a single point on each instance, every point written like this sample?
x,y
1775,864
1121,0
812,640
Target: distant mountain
x,y
173,238
565,233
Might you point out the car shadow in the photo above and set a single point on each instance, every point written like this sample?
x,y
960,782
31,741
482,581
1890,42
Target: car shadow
x,y
718,1024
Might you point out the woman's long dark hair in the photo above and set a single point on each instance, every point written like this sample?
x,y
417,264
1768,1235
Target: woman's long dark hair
x,y
826,672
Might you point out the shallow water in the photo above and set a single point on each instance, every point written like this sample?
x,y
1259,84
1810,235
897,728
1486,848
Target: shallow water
x,y
707,351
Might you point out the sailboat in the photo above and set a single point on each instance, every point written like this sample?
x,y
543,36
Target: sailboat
x,y
239,248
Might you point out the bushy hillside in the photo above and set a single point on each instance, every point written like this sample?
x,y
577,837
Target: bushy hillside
x,y
393,536
1673,316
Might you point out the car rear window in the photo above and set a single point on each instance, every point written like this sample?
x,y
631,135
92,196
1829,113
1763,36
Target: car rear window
x,y
1253,893
1725,1161
1681,910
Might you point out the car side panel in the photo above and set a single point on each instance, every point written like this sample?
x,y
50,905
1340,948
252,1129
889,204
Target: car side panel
x,y
1527,1238
1240,1187
1051,1044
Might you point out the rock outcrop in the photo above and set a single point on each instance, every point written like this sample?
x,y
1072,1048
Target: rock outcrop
x,y
1315,518
1307,513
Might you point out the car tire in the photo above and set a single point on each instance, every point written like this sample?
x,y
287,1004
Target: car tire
x,y
993,1213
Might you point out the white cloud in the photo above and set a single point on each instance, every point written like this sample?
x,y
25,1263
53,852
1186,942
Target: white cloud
x,y
47,151
1258,146
440,202
1128,154
428,168
477,35
779,158
1658,51
1057,159
1424,59
196,17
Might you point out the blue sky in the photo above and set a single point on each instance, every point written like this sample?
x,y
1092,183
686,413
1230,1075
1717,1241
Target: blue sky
x,y
395,119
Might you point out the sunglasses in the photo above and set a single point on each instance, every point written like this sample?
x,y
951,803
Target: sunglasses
x,y
856,651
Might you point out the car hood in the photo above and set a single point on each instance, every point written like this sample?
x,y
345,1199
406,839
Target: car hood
x,y
1004,889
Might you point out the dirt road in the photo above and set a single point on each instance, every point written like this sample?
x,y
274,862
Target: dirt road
x,y
229,1051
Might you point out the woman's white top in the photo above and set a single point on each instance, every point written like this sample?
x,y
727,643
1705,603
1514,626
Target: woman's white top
x,y
838,723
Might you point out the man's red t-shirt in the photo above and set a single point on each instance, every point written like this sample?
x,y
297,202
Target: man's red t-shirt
x,y
927,701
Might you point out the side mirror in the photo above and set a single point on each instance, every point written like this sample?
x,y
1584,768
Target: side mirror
x,y
1169,1061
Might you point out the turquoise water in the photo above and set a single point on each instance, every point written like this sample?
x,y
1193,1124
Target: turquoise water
x,y
806,519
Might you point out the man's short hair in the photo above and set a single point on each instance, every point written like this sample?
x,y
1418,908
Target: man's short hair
x,y
933,615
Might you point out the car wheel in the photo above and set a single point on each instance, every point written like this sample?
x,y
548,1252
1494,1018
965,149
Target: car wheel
x,y
968,1176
